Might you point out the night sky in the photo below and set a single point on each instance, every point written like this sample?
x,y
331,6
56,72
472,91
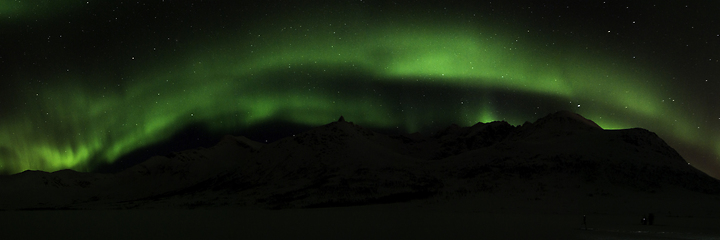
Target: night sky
x,y
88,82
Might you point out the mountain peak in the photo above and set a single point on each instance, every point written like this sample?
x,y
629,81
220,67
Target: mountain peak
x,y
567,118
556,124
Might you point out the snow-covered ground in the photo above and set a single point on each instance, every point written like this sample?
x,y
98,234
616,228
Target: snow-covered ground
x,y
391,221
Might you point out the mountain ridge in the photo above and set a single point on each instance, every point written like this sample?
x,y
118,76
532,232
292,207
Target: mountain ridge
x,y
344,164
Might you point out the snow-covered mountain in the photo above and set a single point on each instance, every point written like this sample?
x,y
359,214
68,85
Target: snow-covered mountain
x,y
560,157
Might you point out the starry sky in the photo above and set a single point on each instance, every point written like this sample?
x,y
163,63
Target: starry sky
x,y
85,83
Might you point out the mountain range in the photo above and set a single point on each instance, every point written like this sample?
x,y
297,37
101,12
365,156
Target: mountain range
x,y
560,162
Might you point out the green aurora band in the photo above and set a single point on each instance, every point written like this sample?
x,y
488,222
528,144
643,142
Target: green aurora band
x,y
15,10
308,73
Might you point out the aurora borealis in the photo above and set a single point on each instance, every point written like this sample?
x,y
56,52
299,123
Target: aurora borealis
x,y
90,81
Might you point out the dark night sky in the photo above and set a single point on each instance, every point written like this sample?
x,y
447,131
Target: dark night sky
x,y
84,82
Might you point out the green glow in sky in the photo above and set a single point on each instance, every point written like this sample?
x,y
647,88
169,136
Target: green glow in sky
x,y
20,10
9,7
311,72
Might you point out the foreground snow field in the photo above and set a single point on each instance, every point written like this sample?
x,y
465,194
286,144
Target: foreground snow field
x,y
391,221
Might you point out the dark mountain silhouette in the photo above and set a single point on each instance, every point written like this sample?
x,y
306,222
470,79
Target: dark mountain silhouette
x,y
561,157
